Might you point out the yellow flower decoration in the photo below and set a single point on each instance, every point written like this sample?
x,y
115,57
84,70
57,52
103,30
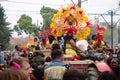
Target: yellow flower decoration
x,y
79,19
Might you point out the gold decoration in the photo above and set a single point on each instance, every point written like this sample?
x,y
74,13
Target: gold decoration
x,y
72,14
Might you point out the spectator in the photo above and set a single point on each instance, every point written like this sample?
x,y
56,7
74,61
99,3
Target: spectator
x,y
2,61
37,57
21,63
73,74
107,76
16,51
48,59
11,74
55,46
95,69
113,63
56,69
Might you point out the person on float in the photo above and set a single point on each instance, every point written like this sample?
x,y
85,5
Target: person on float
x,y
70,43
99,44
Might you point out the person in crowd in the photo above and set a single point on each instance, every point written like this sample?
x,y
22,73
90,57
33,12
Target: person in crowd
x,y
21,63
73,74
16,51
93,70
11,74
113,63
55,46
93,39
92,73
37,57
107,76
42,63
38,51
2,60
51,41
38,72
56,69
37,63
48,59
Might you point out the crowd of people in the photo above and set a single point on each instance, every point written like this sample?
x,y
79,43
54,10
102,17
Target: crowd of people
x,y
36,66
23,65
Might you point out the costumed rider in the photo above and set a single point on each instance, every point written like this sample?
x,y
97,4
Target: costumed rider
x,y
70,43
99,44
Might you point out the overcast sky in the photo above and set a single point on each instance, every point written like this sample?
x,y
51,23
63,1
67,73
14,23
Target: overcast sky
x,y
15,8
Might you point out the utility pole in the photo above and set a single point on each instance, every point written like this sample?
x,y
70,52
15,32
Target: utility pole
x,y
79,3
111,12
118,33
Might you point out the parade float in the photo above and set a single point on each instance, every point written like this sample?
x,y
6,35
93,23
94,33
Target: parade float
x,y
71,14
72,19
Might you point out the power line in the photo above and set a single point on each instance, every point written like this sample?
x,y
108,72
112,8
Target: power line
x,y
8,10
35,3
98,15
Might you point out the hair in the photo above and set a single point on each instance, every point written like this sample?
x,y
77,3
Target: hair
x,y
73,74
48,59
11,74
107,76
93,37
16,46
37,47
51,38
19,60
92,72
55,46
42,61
57,53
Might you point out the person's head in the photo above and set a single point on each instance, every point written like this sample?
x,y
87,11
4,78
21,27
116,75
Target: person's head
x,y
48,59
113,62
21,63
57,54
42,61
55,46
93,37
37,49
10,74
17,47
107,76
73,74
51,38
92,72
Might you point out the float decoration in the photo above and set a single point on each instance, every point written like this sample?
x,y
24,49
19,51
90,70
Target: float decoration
x,y
71,19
